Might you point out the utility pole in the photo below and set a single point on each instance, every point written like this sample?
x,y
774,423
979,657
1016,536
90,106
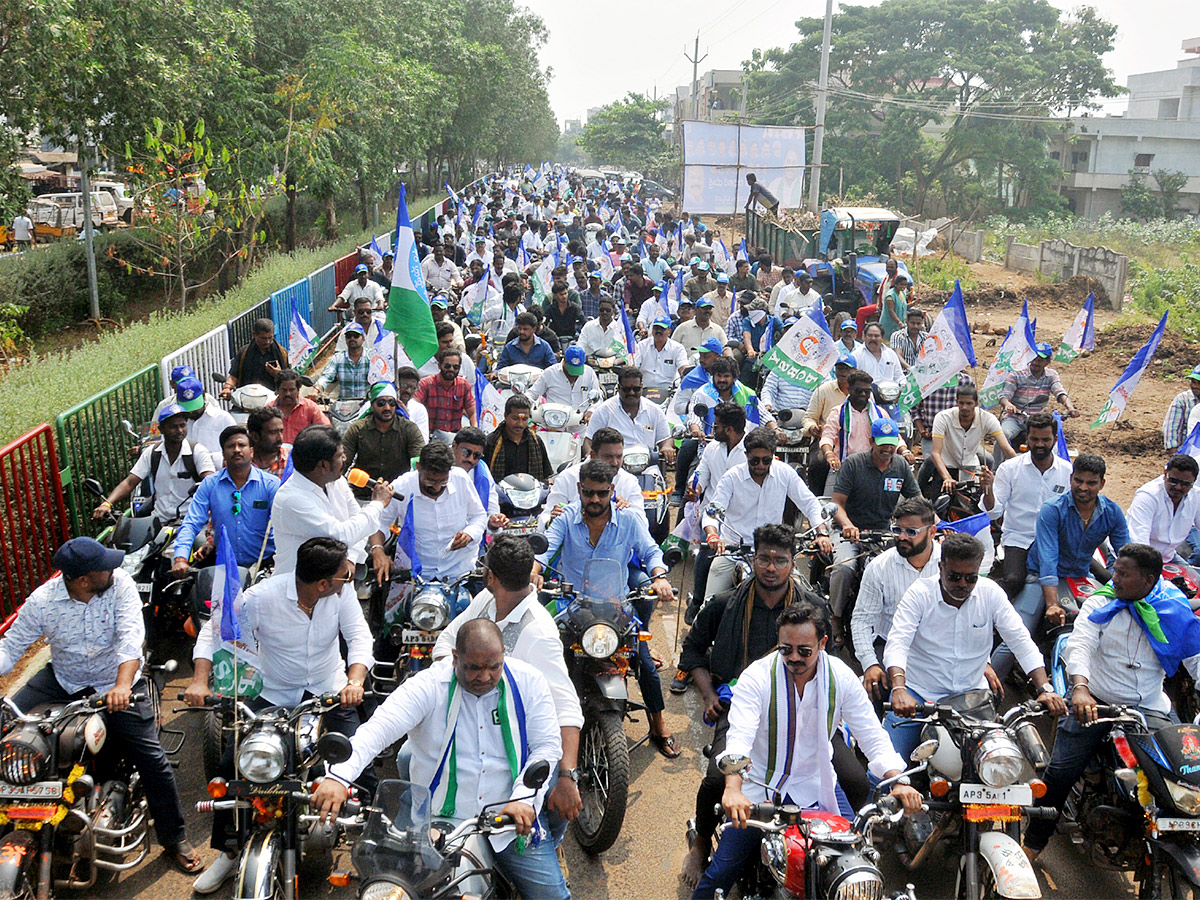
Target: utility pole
x,y
695,59
814,184
89,248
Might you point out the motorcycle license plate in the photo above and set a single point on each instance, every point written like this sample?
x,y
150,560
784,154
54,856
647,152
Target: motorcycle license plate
x,y
528,526
1013,795
274,789
144,587
41,790
412,636
1177,824
608,377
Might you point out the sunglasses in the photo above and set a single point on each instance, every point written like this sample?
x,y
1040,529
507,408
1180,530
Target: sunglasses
x,y
451,367
759,460
471,454
908,532
803,652
1178,482
595,494
968,577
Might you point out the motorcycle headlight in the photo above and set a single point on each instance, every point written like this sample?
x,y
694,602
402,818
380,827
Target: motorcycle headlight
x,y
600,641
383,888
555,419
24,755
260,758
525,500
774,856
889,391
1184,797
430,612
861,884
635,463
133,561
999,760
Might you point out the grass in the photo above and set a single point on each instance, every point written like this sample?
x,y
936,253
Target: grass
x,y
1156,244
940,274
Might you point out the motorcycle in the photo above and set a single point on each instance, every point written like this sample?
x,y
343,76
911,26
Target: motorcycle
x,y
521,499
247,397
606,363
600,634
795,447
643,463
1138,809
559,426
278,750
811,853
64,831
871,544
403,854
516,379
887,398
982,781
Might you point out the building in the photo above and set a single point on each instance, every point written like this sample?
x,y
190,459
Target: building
x,y
1160,129
722,96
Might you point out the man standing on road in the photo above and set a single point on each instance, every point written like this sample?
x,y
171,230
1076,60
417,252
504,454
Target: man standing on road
x,y
1175,421
22,228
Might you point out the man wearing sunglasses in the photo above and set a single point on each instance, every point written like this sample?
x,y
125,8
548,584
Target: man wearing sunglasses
x,y
446,395
941,637
383,443
1165,511
468,455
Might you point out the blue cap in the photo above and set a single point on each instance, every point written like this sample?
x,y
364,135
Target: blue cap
x,y
722,278
624,257
190,394
703,267
662,322
704,302
171,409
81,555
354,328
360,268
694,261
181,372
883,431
1195,373
712,345
848,324
1045,351
847,359
575,357
440,302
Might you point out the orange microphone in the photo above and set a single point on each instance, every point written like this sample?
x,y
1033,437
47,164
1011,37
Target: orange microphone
x,y
358,478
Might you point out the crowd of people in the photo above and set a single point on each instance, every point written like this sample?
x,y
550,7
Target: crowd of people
x,y
552,273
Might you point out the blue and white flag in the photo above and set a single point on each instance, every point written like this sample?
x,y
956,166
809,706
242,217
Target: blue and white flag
x,y
406,541
769,336
630,341
301,338
806,354
489,405
478,215
227,586
742,252
1192,445
664,302
1015,354
1081,335
970,525
945,352
1060,446
1119,395
375,248
450,191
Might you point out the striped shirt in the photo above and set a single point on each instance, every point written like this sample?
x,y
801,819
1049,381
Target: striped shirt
x,y
942,399
884,582
906,347
351,376
1021,389
1174,426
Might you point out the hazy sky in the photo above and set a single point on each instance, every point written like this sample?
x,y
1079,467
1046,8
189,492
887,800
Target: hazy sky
x,y
650,37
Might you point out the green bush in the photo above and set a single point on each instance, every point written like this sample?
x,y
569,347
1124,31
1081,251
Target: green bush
x,y
1177,288
1158,243
940,274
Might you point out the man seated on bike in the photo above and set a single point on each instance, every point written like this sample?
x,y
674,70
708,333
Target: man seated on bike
x,y
660,358
298,412
383,443
1070,528
866,491
366,319
361,287
350,367
885,580
823,693
174,468
724,386
607,446
514,447
605,332
828,396
446,395
1114,658
593,527
732,630
958,436
264,427
941,637
1166,510
638,420
468,455
447,340
527,348
238,498
91,616
1028,392
847,428
751,494
481,770
439,508
511,601
298,619
568,383
261,361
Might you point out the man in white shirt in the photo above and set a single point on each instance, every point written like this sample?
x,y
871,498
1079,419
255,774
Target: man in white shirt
x,y
1164,511
753,494
296,618
1111,659
481,298
885,580
407,379
658,357
316,500
206,420
797,296
440,274
941,639
481,253
877,359
175,469
605,332
439,507
361,286
430,706
569,383
530,635
638,422
1017,491
608,446
822,693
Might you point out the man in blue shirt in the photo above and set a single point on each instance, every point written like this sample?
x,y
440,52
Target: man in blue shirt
x,y
527,348
238,497
593,528
1069,529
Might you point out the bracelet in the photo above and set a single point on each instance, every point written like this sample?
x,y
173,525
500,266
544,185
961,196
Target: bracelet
x,y
1076,686
354,683
897,687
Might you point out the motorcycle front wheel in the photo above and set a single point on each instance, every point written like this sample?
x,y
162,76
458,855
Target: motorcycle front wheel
x,y
603,782
1171,882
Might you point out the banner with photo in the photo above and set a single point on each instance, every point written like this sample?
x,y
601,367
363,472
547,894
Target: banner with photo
x,y
717,157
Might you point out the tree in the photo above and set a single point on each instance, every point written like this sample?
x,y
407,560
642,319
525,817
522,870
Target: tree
x,y
1170,186
626,133
1139,201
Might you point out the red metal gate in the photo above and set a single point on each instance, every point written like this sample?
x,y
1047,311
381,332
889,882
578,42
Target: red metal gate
x,y
33,517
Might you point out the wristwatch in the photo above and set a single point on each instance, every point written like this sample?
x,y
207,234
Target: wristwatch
x,y
1046,688
573,774
904,780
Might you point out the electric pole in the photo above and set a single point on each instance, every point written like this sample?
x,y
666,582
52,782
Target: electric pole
x,y
695,59
814,184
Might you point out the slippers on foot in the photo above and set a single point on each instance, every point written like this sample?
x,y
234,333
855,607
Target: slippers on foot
x,y
185,858
667,745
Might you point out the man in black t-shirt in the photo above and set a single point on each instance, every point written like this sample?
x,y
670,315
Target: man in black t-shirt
x,y
259,362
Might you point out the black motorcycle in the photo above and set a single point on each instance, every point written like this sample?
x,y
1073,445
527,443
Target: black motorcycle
x,y
522,498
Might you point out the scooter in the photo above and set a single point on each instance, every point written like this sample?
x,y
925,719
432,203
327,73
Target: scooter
x,y
561,429
887,398
245,398
643,463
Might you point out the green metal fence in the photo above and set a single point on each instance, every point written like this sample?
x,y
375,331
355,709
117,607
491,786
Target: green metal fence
x,y
92,442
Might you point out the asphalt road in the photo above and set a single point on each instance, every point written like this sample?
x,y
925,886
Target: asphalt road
x,y
645,861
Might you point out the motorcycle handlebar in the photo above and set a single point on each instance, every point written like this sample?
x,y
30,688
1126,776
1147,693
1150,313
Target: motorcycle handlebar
x,y
923,709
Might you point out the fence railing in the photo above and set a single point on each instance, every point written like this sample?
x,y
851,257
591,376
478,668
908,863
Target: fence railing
x,y
283,301
93,443
207,354
241,328
322,291
33,517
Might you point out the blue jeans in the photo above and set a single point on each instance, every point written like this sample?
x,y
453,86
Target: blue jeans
x,y
1012,430
1030,606
1193,542
535,873
905,733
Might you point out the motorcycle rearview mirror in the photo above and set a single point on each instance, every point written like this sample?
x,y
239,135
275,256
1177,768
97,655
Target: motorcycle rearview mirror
x,y
92,486
924,750
672,556
334,748
784,416
305,381
595,396
701,410
538,543
127,426
218,377
535,775
733,765
829,510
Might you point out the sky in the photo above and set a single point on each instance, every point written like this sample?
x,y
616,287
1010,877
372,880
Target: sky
x,y
591,68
